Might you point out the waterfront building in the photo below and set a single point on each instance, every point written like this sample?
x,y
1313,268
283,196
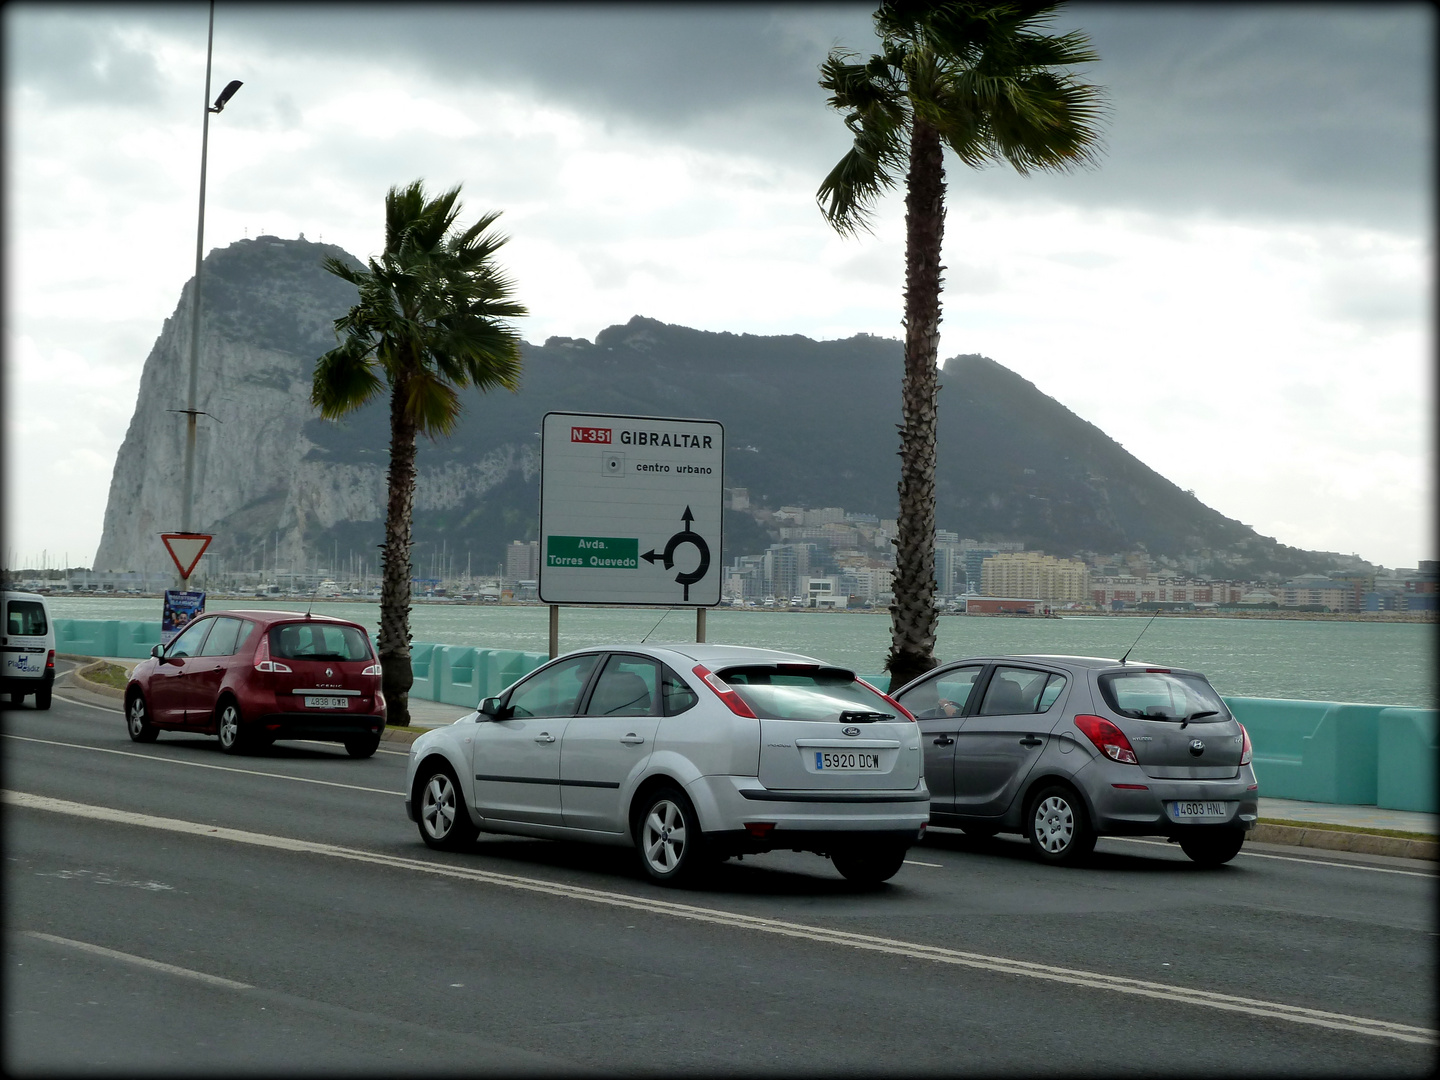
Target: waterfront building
x,y
522,561
1031,574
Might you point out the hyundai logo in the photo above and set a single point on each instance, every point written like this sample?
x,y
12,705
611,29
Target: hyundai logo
x,y
850,731
1197,747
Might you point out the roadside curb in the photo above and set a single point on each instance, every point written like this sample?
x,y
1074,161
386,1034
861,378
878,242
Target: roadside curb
x,y
1345,840
86,684
405,735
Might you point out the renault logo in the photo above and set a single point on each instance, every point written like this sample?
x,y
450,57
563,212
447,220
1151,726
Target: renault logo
x,y
1197,747
850,731
329,673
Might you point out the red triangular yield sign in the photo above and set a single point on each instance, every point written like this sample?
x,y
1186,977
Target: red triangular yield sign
x,y
185,549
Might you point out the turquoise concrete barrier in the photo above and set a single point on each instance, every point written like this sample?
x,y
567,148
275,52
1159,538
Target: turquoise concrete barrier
x,y
1409,745
1318,751
136,637
421,653
87,637
464,676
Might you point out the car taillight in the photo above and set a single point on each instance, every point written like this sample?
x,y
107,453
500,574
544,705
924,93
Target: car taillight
x,y
262,657
1108,738
373,669
904,712
1245,750
733,701
50,660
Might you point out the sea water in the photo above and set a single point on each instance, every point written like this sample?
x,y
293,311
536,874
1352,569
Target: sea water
x,y
1387,663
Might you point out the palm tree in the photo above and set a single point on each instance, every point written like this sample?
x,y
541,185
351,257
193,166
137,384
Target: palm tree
x,y
986,81
430,321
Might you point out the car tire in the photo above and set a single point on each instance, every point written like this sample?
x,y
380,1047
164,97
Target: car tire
x,y
1213,847
668,837
362,746
869,864
234,739
42,698
1058,827
444,821
137,720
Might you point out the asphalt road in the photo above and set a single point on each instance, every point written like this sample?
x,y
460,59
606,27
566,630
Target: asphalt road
x,y
169,908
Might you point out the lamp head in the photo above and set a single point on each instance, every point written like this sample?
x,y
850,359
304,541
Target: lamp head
x,y
226,95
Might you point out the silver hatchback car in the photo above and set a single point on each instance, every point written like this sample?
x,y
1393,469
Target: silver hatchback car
x,y
689,754
1063,749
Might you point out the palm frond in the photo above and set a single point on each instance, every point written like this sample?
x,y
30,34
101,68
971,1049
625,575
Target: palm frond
x,y
344,379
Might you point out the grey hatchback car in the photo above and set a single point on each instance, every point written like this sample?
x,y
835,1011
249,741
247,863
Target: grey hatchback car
x,y
1064,749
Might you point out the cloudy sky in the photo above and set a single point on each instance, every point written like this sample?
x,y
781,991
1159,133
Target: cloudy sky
x,y
1240,293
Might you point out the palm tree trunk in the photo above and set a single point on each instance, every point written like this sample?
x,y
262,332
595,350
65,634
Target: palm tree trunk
x,y
913,616
394,644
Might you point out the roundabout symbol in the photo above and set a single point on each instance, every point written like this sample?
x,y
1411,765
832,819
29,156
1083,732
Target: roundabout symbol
x,y
684,536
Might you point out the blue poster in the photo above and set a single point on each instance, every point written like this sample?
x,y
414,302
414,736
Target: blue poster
x,y
181,609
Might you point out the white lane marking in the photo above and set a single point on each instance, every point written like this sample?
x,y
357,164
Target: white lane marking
x,y
1289,858
86,704
917,862
140,961
202,765
1170,994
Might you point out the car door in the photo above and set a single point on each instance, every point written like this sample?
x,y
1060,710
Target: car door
x,y
516,762
939,704
1000,741
169,685
608,741
207,670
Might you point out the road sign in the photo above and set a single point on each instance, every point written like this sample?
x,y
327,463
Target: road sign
x,y
630,510
185,550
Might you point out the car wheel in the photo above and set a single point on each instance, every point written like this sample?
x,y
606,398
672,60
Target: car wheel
x,y
444,822
869,864
361,746
42,698
233,738
1213,847
667,833
137,720
1057,826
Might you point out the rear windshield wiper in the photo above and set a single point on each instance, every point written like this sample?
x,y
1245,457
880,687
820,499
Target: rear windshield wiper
x,y
865,716
1198,716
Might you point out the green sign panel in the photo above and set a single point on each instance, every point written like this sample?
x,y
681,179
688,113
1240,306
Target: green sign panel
x,y
593,552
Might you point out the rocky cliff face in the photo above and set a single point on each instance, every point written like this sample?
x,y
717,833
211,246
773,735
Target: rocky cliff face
x,y
267,313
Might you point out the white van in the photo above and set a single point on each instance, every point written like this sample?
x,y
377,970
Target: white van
x,y
28,649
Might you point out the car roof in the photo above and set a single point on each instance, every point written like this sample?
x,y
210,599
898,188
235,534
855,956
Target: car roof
x,y
712,656
1088,662
269,616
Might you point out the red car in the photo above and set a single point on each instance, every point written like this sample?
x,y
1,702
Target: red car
x,y
252,677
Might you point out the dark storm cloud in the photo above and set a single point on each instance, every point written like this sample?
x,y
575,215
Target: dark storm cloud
x,y
1293,111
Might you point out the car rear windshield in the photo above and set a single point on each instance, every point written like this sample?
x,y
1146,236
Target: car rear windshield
x,y
25,618
1162,695
318,641
806,692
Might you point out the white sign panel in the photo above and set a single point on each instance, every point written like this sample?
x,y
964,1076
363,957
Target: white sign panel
x,y
630,510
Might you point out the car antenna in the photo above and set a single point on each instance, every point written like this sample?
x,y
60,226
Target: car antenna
x,y
656,626
316,593
1139,636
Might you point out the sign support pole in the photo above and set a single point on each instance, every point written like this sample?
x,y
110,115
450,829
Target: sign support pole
x,y
700,625
554,631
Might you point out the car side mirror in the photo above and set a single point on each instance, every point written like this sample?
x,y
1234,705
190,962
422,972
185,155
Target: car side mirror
x,y
492,708
157,651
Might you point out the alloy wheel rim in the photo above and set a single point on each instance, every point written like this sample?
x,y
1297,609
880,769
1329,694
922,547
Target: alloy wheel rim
x,y
1054,824
137,717
229,725
439,810
664,836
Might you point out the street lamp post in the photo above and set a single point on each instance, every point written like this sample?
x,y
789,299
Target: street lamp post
x,y
186,508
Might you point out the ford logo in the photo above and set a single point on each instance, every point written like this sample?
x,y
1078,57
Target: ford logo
x,y
850,731
1197,747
